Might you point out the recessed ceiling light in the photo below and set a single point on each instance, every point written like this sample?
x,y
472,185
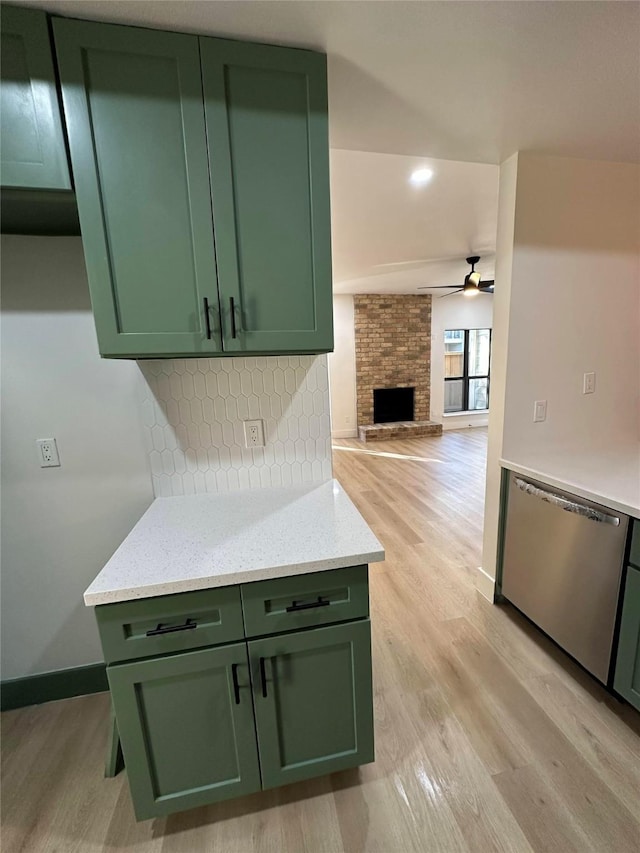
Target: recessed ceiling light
x,y
421,177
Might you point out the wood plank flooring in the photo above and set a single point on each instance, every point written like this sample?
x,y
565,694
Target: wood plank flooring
x,y
488,738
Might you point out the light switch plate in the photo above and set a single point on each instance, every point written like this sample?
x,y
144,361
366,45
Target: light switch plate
x,y
539,411
589,383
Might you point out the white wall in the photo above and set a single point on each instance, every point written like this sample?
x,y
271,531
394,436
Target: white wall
x,y
455,312
60,525
575,307
194,410
567,302
342,369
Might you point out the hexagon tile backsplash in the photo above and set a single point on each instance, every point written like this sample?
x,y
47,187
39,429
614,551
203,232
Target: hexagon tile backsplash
x,y
194,410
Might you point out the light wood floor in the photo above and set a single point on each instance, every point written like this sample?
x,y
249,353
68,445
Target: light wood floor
x,y
488,738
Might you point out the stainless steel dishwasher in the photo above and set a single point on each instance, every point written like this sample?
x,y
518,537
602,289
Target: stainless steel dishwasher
x,y
562,565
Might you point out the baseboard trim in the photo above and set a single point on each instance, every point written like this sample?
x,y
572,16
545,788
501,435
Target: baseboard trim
x,y
465,422
48,686
485,584
344,433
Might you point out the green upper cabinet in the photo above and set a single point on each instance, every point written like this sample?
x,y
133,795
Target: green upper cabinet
x,y
186,726
133,106
33,153
203,190
266,113
313,703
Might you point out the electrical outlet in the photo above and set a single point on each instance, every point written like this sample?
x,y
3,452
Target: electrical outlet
x,y
589,383
539,411
253,434
47,452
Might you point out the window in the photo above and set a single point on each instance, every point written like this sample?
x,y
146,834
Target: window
x,y
467,354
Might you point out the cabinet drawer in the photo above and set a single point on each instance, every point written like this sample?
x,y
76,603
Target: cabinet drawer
x,y
634,554
170,623
304,601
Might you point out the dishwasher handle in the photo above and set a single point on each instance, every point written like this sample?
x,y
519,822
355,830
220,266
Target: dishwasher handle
x,y
567,505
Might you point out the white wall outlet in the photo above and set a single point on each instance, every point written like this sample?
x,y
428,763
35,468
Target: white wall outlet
x,y
539,411
47,452
589,383
253,434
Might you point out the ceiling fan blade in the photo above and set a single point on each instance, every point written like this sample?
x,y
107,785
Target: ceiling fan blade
x,y
444,295
437,286
418,262
486,285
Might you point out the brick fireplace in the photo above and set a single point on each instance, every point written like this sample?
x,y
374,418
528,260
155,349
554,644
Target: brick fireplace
x,y
393,351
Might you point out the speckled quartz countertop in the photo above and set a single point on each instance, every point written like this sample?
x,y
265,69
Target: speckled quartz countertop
x,y
610,478
202,541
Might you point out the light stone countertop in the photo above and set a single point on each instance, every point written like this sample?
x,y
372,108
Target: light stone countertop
x,y
203,541
610,478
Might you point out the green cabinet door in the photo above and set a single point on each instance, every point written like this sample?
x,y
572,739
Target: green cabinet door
x,y
133,106
266,114
313,701
187,729
32,147
627,671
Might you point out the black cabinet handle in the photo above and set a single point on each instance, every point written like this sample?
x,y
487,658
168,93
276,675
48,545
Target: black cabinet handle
x,y
232,308
207,318
298,605
236,686
189,625
263,678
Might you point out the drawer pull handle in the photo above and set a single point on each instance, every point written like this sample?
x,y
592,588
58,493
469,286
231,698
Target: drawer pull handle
x,y
171,629
299,605
263,678
236,686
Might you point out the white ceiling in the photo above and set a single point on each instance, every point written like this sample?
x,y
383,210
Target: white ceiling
x,y
471,81
391,237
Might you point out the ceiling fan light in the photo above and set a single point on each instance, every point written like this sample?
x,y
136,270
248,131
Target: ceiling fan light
x,y
470,288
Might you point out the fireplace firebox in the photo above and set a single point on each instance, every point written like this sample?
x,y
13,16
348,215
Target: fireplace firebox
x,y
392,404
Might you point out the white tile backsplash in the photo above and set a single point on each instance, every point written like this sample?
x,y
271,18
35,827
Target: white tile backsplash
x,y
193,411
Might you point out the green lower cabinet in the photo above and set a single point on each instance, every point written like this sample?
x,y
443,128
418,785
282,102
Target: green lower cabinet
x,y
187,731
627,672
634,551
313,701
210,723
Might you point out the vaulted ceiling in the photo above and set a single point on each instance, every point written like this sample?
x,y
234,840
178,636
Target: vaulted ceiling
x,y
390,236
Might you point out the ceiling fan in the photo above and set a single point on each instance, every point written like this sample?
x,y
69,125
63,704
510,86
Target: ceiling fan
x,y
472,282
